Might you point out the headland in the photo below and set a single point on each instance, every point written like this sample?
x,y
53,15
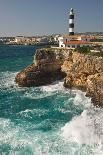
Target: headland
x,y
81,71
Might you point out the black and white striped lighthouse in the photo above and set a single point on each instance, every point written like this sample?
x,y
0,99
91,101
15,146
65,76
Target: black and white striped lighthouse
x,y
71,22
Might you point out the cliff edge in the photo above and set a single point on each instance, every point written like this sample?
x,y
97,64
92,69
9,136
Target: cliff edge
x,y
81,71
85,72
45,69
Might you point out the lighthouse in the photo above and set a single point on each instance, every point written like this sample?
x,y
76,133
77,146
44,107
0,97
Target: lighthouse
x,y
71,22
73,41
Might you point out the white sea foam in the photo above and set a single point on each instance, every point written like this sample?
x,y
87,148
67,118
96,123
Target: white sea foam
x,y
44,91
81,99
27,113
7,79
21,141
86,129
56,86
35,93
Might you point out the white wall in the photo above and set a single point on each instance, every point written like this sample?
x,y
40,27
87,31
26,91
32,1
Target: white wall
x,y
61,42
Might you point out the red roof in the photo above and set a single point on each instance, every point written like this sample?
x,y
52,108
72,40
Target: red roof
x,y
77,42
77,36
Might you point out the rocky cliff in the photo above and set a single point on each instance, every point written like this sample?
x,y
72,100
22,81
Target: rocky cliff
x,y
45,68
80,71
86,73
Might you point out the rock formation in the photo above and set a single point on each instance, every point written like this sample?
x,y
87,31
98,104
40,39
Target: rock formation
x,y
81,71
45,69
86,73
95,88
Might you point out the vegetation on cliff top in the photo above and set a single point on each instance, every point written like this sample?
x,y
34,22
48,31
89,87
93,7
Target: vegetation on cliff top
x,y
87,51
83,50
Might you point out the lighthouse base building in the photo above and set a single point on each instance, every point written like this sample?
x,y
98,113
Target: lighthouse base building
x,y
74,41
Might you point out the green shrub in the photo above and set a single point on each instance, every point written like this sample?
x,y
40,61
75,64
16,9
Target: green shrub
x,y
84,49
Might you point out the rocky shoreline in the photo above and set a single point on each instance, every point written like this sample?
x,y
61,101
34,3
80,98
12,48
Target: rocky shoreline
x,y
85,73
78,70
46,68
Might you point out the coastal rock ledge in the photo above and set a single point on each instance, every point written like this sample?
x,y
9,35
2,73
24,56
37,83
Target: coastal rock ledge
x,y
85,72
45,69
81,71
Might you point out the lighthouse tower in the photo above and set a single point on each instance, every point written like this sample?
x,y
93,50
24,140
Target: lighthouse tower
x,y
71,22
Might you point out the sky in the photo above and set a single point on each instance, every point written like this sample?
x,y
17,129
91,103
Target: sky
x,y
43,17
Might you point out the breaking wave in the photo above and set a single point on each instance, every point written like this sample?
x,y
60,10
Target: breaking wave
x,y
86,130
49,120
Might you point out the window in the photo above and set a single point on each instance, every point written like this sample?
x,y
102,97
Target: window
x,y
73,46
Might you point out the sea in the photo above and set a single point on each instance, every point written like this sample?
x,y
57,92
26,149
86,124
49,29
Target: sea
x,y
46,120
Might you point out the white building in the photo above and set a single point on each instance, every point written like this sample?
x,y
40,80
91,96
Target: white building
x,y
56,38
19,39
74,41
23,40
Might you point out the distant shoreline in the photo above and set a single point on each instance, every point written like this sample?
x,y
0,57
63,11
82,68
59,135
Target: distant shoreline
x,y
38,44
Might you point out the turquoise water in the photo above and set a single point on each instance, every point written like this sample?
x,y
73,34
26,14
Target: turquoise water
x,y
47,120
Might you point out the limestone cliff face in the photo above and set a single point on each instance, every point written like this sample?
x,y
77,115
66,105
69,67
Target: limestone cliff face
x,y
95,88
85,72
81,71
45,69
